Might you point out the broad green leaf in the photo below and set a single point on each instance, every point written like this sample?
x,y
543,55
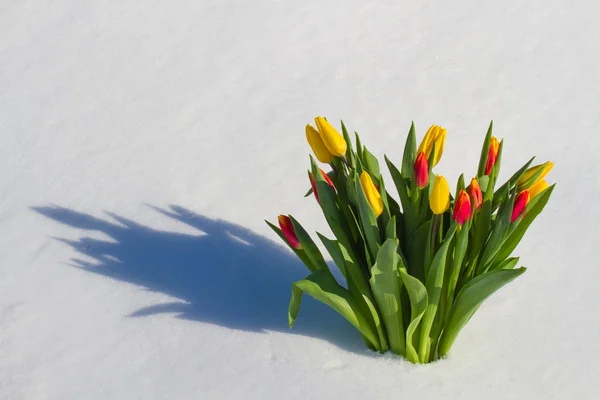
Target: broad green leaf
x,y
434,282
416,253
485,151
371,163
418,304
386,285
359,147
309,246
471,296
390,230
322,286
535,207
333,247
299,252
509,263
462,241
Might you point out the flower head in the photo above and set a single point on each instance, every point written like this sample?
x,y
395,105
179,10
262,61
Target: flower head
x,y
435,135
317,145
334,142
287,228
439,201
372,193
492,155
462,208
421,170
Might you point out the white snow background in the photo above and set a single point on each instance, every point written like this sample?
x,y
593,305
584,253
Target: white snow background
x,y
143,143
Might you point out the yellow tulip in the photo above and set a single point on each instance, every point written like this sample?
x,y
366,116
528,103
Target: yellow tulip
x,y
335,143
435,135
526,180
439,201
538,188
372,193
317,145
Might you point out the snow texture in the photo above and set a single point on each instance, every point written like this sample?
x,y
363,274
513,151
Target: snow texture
x,y
143,143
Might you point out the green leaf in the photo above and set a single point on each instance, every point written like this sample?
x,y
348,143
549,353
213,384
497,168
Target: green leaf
x,y
418,304
309,246
350,156
359,147
534,208
485,150
462,241
415,251
472,295
434,282
299,252
322,286
371,163
366,216
386,285
333,247
411,217
497,237
509,263
410,154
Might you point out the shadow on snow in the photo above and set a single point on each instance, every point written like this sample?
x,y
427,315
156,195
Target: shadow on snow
x,y
228,276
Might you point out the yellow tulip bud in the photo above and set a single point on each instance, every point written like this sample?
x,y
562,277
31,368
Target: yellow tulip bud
x,y
372,193
439,201
317,145
538,188
435,135
335,143
526,179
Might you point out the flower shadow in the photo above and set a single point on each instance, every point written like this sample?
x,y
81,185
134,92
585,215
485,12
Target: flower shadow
x,y
227,275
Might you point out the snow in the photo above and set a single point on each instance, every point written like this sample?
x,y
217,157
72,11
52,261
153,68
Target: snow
x,y
143,144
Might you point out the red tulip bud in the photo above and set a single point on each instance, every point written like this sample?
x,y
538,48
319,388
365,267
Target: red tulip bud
x,y
285,223
421,170
520,203
462,208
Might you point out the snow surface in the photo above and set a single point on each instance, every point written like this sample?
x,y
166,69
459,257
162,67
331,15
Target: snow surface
x,y
143,143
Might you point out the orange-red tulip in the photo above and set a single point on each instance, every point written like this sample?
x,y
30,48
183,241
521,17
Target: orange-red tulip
x,y
421,170
492,155
475,193
462,208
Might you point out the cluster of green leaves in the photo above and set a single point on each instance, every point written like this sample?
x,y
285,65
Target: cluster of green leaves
x,y
412,279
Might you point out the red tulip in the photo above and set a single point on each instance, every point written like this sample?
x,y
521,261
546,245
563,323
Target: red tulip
x,y
421,170
520,203
475,193
285,223
462,208
492,155
314,183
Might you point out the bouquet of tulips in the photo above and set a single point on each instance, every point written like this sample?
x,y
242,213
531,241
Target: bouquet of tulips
x,y
415,270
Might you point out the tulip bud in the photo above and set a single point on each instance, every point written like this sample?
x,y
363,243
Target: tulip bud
x,y
538,188
317,145
335,143
492,155
439,201
475,194
314,183
520,203
462,208
371,193
436,134
285,223
421,170
526,181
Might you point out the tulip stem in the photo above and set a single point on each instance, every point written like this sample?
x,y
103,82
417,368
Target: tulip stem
x,y
434,232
